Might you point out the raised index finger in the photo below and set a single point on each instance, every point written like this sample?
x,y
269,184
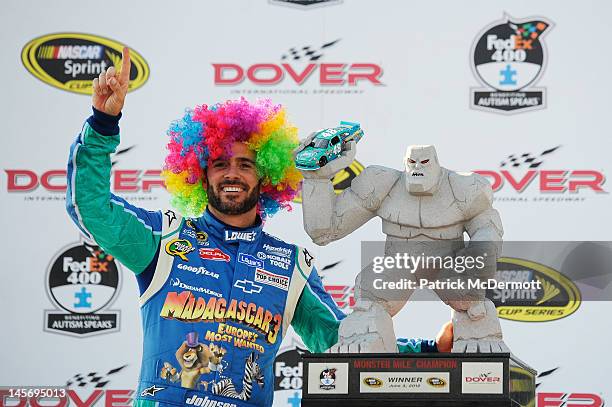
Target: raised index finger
x,y
125,65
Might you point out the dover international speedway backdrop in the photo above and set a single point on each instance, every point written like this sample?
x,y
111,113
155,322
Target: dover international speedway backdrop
x,y
532,115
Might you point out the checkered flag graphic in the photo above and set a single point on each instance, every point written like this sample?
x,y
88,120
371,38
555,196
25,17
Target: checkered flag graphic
x,y
526,159
307,53
98,380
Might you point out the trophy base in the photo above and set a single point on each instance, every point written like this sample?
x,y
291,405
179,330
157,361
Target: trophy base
x,y
420,379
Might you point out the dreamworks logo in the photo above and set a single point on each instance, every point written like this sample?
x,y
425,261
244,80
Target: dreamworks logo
x,y
175,282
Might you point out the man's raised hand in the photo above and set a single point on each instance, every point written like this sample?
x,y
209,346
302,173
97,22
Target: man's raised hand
x,y
110,88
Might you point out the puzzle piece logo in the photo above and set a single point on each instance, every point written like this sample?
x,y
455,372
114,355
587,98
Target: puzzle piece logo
x,y
508,76
83,298
509,57
82,280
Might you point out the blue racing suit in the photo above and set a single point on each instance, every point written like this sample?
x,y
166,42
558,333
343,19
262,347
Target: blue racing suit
x,y
216,301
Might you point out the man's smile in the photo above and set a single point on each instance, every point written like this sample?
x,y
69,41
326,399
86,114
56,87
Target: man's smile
x,y
230,188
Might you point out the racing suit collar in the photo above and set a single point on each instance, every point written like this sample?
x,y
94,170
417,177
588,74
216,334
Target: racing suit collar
x,y
231,234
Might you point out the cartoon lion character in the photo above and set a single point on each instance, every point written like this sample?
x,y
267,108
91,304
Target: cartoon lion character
x,y
194,358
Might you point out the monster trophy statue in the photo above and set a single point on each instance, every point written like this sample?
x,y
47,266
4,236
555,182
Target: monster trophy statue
x,y
426,209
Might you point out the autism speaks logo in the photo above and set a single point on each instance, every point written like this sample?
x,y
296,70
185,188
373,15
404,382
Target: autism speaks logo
x,y
508,57
82,282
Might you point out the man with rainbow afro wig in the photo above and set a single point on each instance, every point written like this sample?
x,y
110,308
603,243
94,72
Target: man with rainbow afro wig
x,y
217,293
207,135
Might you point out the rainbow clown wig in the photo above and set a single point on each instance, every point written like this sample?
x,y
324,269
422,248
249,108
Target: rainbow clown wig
x,y
207,133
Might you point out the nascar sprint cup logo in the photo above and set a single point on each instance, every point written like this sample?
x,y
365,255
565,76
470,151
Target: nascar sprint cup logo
x,y
70,61
508,57
82,281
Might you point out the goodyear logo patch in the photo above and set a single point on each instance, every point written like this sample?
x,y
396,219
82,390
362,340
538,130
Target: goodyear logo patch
x,y
342,180
70,61
557,298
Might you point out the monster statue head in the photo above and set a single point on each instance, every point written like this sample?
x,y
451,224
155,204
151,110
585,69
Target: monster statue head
x,y
422,169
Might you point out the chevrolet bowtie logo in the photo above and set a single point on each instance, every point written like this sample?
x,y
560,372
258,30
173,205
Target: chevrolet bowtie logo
x,y
150,391
248,286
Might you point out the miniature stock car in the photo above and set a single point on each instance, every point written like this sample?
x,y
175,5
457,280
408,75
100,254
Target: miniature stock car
x,y
326,145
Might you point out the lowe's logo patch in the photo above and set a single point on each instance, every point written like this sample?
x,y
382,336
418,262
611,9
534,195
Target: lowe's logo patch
x,y
231,236
249,260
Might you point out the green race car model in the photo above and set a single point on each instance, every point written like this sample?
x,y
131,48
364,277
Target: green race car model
x,y
326,145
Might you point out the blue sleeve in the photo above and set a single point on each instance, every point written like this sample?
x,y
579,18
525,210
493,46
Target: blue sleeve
x,y
130,234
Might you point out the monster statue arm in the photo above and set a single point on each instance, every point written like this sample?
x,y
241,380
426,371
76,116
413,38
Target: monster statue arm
x,y
484,227
483,223
329,217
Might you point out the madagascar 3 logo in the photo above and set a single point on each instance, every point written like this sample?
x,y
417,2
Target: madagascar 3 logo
x,y
186,307
70,61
